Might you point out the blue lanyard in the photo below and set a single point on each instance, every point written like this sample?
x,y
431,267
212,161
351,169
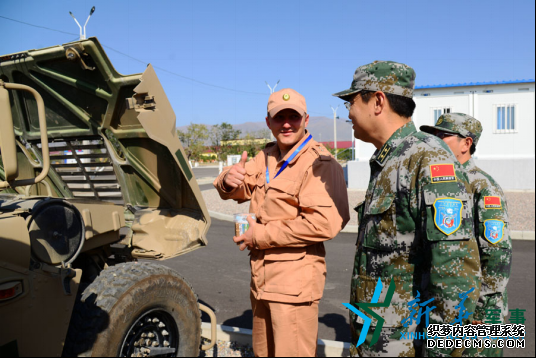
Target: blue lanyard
x,y
285,164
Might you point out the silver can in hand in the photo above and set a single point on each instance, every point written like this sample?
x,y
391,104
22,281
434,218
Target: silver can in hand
x,y
241,224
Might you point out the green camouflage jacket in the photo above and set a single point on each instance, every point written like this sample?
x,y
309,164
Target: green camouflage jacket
x,y
495,246
416,229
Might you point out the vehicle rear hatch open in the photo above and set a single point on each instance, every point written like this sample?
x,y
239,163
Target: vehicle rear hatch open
x,y
112,138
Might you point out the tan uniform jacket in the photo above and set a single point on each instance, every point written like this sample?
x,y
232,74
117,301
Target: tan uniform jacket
x,y
304,206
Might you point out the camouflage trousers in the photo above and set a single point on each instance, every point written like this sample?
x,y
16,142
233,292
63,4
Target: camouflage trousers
x,y
386,346
484,352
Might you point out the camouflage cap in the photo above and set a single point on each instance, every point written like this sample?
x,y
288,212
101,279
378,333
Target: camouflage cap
x,y
386,76
457,123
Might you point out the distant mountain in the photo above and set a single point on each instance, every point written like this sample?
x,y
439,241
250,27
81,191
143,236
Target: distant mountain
x,y
320,127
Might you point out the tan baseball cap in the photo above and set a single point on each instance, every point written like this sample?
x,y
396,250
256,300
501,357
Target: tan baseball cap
x,y
286,98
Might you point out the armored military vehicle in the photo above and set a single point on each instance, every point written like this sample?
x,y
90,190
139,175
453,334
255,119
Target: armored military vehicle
x,y
93,185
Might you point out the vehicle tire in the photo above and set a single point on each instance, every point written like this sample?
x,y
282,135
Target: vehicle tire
x,y
132,308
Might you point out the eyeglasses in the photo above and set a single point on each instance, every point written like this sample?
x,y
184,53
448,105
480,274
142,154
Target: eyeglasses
x,y
348,105
443,135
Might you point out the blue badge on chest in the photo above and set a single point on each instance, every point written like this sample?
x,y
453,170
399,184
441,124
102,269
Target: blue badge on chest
x,y
448,215
494,230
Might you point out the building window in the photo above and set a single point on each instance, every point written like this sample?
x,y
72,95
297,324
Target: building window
x,y
505,118
440,111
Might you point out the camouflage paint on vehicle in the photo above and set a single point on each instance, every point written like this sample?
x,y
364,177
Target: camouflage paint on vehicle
x,y
42,301
108,133
399,240
86,99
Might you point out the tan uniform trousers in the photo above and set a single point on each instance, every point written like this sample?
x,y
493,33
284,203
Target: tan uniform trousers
x,y
284,329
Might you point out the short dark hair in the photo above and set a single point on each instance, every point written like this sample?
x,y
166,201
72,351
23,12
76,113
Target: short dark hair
x,y
472,150
403,106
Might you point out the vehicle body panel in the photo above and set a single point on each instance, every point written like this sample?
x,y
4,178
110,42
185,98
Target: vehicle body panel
x,y
41,301
120,132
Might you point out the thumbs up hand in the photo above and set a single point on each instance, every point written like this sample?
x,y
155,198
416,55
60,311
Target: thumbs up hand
x,y
237,174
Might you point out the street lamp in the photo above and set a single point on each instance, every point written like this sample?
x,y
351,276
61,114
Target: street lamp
x,y
272,138
83,34
335,127
272,90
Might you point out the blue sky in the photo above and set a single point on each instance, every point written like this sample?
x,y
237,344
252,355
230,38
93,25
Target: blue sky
x,y
311,46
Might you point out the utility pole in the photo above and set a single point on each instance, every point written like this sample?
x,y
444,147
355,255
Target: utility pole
x,y
335,127
353,141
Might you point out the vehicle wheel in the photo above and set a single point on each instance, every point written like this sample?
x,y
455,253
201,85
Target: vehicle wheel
x,y
135,310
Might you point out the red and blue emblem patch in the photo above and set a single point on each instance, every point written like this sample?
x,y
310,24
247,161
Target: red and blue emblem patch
x,y
448,215
494,230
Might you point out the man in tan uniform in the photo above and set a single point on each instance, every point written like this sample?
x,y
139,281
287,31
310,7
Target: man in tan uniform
x,y
298,194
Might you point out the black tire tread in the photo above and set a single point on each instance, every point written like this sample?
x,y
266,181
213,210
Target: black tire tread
x,y
102,295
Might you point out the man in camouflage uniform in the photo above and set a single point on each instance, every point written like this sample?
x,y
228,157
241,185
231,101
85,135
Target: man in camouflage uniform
x,y
461,133
415,225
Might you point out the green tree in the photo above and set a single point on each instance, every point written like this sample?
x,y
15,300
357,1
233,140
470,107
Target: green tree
x,y
251,144
226,150
263,134
342,154
223,132
193,139
328,147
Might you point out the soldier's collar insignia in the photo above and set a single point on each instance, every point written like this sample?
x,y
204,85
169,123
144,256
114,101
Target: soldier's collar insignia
x,y
383,154
442,173
448,215
492,202
494,230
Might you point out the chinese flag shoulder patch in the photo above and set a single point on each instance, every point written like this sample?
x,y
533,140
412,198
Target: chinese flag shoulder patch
x,y
492,202
442,173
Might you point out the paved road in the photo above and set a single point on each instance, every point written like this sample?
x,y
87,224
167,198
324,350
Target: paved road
x,y
220,275
206,187
200,172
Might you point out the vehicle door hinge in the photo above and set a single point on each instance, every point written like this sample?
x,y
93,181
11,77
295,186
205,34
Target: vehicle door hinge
x,y
73,55
141,101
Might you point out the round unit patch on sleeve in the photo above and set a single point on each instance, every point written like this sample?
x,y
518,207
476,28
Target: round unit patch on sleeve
x,y
494,230
492,202
448,215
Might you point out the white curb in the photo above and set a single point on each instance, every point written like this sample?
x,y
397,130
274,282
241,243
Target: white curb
x,y
351,229
220,216
326,348
205,180
522,235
